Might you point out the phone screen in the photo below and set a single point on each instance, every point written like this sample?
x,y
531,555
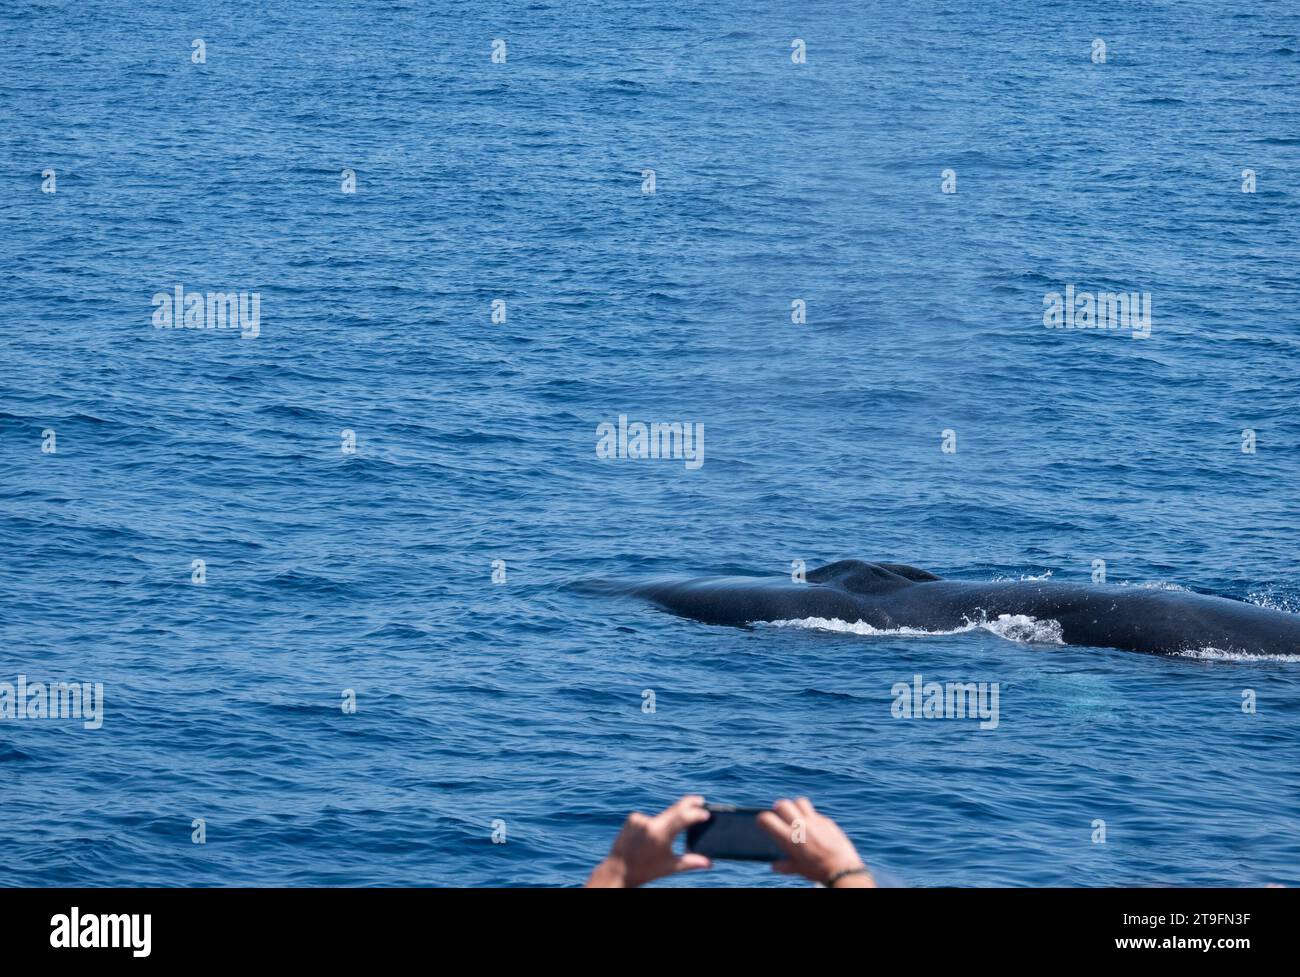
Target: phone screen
x,y
733,832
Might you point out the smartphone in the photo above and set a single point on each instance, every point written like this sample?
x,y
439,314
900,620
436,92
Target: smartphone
x,y
733,832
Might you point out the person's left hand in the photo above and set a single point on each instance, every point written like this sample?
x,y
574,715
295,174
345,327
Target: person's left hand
x,y
643,850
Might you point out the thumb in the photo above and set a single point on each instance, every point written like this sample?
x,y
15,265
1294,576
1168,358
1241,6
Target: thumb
x,y
691,861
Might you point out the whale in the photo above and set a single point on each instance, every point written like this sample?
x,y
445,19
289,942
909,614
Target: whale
x,y
894,596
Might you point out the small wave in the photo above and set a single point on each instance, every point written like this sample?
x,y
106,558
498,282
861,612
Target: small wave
x,y
396,630
821,693
1013,627
303,581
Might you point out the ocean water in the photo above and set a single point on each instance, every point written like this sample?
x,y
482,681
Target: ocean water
x,y
520,703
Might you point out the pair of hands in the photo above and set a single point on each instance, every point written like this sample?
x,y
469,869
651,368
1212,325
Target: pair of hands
x,y
643,850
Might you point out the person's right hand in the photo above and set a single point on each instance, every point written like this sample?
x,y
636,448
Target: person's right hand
x,y
816,846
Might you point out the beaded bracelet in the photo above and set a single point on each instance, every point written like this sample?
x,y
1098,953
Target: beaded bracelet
x,y
860,870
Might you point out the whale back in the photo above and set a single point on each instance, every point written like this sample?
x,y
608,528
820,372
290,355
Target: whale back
x,y
860,577
915,574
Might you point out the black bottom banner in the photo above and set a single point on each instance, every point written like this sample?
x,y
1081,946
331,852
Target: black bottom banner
x,y
337,926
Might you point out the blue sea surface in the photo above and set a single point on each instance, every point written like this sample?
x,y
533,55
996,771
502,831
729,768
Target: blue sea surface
x,y
518,705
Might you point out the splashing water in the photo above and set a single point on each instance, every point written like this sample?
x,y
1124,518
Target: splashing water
x,y
1014,627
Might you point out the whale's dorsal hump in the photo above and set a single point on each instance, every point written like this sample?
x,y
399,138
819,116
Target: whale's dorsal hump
x,y
861,577
911,573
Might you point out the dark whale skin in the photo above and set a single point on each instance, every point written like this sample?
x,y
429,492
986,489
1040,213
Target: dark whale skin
x,y
892,595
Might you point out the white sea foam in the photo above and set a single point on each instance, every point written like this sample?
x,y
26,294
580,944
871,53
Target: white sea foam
x,y
1219,655
859,627
1020,628
1013,627
1025,629
1273,602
